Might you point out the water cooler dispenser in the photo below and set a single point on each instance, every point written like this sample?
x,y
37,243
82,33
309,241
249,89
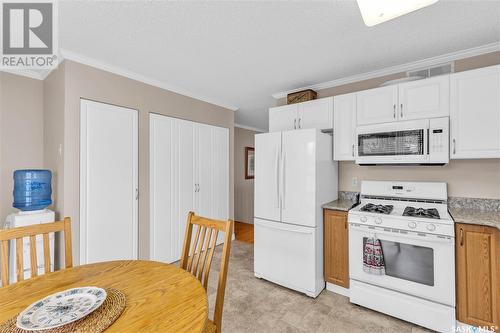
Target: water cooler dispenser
x,y
32,194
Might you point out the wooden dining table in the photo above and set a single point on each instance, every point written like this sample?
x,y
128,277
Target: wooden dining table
x,y
160,297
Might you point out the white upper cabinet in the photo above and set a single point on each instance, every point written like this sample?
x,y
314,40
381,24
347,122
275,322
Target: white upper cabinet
x,y
311,114
427,98
283,118
475,113
344,127
377,105
316,114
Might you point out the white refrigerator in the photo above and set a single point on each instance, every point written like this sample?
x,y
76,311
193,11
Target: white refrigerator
x,y
294,175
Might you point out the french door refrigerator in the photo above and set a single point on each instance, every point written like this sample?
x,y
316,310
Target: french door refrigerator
x,y
294,175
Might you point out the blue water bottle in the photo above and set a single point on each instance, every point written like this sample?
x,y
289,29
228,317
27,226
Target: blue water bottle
x,y
32,189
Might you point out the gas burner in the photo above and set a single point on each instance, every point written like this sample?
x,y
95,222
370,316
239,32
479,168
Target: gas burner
x,y
382,209
431,213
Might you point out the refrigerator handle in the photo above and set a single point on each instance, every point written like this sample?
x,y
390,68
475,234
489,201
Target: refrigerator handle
x,y
278,177
283,177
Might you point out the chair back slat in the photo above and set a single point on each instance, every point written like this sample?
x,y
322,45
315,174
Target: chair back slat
x,y
209,260
19,259
206,248
68,249
193,250
5,262
31,232
33,259
197,255
46,253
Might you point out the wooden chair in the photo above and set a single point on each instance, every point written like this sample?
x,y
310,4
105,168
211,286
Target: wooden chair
x,y
31,231
197,255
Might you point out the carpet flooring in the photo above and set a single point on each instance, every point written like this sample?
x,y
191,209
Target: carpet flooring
x,y
255,305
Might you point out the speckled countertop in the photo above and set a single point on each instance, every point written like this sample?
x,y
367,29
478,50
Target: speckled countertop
x,y
340,204
475,216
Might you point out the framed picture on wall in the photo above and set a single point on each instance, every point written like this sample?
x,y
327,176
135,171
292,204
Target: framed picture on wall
x,y
249,162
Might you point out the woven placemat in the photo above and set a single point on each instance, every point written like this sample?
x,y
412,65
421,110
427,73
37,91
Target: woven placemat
x,y
96,322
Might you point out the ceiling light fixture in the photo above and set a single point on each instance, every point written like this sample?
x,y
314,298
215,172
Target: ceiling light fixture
x,y
378,11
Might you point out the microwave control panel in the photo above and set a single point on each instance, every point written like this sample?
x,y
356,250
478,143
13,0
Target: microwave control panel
x,y
439,140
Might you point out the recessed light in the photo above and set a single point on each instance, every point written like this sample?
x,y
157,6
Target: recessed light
x,y
378,11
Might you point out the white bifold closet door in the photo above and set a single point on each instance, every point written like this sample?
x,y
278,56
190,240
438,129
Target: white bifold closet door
x,y
189,171
108,182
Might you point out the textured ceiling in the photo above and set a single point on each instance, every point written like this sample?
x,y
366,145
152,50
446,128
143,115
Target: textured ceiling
x,y
239,53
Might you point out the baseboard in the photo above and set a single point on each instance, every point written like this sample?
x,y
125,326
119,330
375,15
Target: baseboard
x,y
337,289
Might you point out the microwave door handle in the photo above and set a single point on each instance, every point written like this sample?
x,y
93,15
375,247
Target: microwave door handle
x,y
428,137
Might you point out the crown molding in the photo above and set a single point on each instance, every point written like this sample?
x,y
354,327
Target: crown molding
x,y
76,57
250,128
453,56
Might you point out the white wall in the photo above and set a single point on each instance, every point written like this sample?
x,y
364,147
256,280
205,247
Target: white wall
x,y
21,132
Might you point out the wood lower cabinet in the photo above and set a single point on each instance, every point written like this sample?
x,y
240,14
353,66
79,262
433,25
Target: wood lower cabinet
x,y
478,275
336,251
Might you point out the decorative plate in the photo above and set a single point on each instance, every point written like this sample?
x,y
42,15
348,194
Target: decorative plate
x,y
61,308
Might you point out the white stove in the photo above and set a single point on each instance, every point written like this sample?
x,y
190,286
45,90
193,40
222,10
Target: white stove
x,y
411,224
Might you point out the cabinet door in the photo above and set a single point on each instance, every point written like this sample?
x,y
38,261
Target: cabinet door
x,y
377,105
204,170
429,98
475,113
283,118
298,174
171,185
336,248
344,127
478,275
316,114
220,176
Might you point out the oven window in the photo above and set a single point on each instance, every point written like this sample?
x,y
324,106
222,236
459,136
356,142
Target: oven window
x,y
409,142
408,262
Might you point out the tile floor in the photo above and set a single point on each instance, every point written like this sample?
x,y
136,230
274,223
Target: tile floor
x,y
254,305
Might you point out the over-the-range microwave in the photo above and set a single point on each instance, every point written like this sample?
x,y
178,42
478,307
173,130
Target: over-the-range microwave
x,y
423,141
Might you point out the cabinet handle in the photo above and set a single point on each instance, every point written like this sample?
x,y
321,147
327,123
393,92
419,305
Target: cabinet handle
x,y
300,126
461,237
345,224
295,123
401,110
352,150
394,111
454,147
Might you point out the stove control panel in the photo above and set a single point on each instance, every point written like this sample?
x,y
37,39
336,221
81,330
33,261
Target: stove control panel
x,y
446,228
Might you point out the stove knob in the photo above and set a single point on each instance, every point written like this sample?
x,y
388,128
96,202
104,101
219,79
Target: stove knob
x,y
431,227
378,220
412,225
363,218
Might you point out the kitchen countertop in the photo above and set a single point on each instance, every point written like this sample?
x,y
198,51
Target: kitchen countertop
x,y
476,216
340,204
